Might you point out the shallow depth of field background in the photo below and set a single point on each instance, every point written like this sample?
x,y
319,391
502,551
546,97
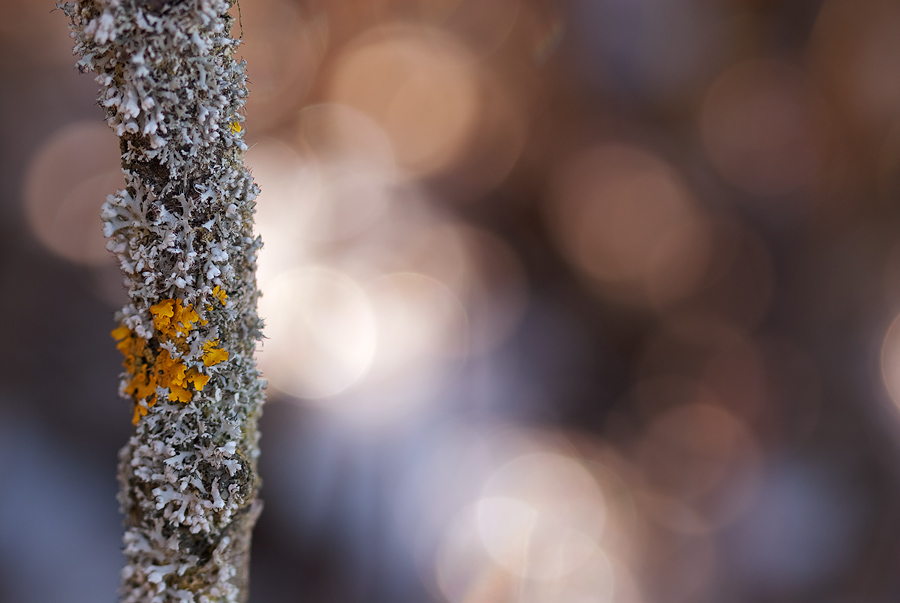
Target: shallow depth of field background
x,y
567,302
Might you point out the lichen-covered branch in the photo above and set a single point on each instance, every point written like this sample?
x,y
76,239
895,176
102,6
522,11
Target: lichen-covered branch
x,y
182,232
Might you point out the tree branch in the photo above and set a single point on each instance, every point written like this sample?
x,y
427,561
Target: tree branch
x,y
182,232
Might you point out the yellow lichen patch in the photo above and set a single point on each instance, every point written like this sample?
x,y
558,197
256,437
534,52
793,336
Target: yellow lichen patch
x,y
172,319
162,315
169,371
236,127
185,318
219,294
142,385
180,394
197,378
139,411
213,355
131,347
121,332
150,368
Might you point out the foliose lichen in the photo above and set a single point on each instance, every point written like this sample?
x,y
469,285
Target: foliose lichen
x,y
182,231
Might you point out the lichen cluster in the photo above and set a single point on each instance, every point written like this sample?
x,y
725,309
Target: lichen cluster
x,y
182,231
175,366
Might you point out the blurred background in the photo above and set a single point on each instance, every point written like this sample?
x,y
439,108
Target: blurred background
x,y
567,301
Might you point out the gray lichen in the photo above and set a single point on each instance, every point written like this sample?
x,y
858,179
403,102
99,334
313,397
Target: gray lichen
x,y
182,230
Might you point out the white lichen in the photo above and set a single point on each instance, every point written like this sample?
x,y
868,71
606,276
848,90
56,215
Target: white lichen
x,y
181,230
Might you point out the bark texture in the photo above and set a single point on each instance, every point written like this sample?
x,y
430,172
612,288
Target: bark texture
x,y
182,230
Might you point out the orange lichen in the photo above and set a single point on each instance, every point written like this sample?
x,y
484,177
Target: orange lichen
x,y
172,322
121,332
172,319
197,378
133,348
219,294
213,355
142,385
181,394
139,411
162,314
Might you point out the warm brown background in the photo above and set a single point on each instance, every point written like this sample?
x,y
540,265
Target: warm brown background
x,y
567,301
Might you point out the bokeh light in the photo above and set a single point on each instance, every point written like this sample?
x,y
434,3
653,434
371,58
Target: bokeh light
x,y
420,86
541,516
890,360
762,129
325,333
436,289
625,218
291,188
66,182
422,329
854,49
701,465
283,45
338,133
537,529
418,317
483,26
466,573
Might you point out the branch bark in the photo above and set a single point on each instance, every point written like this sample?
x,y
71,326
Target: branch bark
x,y
182,232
